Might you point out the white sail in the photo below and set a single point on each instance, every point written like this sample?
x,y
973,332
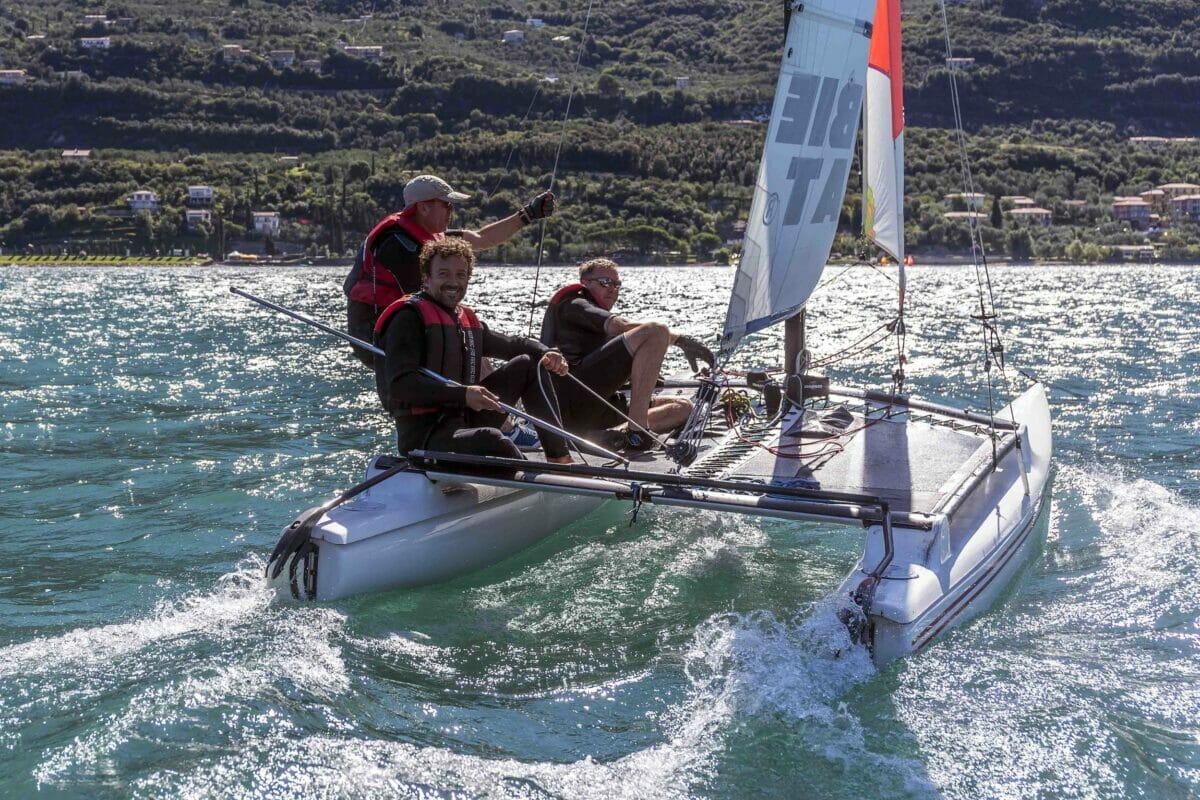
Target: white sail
x,y
883,135
805,164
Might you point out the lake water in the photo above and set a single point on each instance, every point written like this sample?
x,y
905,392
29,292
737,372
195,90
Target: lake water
x,y
157,431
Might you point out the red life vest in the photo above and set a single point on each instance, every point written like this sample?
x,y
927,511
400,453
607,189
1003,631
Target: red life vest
x,y
376,284
453,345
552,332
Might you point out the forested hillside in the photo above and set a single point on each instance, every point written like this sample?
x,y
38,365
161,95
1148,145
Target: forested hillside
x,y
191,93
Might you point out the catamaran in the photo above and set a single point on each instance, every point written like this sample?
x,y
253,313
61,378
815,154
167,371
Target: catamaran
x,y
951,501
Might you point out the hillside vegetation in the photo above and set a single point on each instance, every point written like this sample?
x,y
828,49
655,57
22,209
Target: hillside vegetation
x,y
1055,92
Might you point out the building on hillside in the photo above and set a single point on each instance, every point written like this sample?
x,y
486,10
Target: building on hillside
x,y
16,77
682,81
561,39
95,42
143,200
1157,199
514,37
234,53
289,161
535,22
199,196
1016,201
1186,206
311,64
960,62
1173,190
194,217
1161,142
266,223
972,201
373,52
1133,210
1032,215
977,216
90,19
76,155
1135,252
74,75
280,59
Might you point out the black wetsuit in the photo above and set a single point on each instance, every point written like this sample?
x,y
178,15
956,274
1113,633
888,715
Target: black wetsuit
x,y
576,326
457,428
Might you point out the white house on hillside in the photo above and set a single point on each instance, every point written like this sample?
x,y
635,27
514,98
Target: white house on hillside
x,y
372,52
95,42
143,200
199,196
195,216
266,222
14,76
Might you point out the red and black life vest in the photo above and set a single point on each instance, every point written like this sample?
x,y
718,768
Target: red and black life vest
x,y
453,345
574,343
376,285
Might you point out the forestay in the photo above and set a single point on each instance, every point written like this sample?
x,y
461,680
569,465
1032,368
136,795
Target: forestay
x,y
805,164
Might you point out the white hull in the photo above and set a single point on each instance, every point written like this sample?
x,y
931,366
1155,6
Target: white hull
x,y
940,578
411,531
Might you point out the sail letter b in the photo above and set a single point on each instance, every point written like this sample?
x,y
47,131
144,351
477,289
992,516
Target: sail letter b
x,y
797,109
845,122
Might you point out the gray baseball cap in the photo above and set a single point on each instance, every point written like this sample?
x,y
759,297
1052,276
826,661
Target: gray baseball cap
x,y
431,187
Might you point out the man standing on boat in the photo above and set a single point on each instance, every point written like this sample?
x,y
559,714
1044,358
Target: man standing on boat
x,y
386,266
605,350
432,329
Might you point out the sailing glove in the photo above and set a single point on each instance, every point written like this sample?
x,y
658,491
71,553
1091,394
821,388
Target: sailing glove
x,y
694,351
539,207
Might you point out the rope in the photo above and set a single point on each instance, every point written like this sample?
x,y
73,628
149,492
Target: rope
x,y
537,275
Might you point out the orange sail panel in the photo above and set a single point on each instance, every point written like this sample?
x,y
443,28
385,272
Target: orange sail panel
x,y
883,135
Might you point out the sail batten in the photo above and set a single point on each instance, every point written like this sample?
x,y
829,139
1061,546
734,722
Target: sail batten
x,y
801,180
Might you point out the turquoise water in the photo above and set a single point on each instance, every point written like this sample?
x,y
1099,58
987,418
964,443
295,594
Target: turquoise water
x,y
157,432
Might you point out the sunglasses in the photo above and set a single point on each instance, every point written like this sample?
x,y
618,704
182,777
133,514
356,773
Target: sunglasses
x,y
607,283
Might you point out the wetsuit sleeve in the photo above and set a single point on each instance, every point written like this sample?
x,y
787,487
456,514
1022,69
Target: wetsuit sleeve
x,y
581,314
500,345
404,342
397,252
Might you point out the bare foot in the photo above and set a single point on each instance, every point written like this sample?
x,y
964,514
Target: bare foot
x,y
560,460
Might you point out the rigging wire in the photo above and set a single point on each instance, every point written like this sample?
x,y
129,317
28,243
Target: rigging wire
x,y
557,155
989,332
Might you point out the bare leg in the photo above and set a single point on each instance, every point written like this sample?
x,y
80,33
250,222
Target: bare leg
x,y
648,344
668,413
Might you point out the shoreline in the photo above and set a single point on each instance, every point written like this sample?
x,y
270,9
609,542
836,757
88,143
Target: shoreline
x,y
181,262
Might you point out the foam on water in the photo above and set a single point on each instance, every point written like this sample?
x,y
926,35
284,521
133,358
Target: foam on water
x,y
1088,682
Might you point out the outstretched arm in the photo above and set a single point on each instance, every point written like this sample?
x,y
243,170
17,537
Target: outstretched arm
x,y
502,230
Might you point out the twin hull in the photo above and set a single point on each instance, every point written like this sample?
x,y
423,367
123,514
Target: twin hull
x,y
411,530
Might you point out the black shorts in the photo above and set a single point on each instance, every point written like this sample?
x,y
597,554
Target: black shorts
x,y
604,371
